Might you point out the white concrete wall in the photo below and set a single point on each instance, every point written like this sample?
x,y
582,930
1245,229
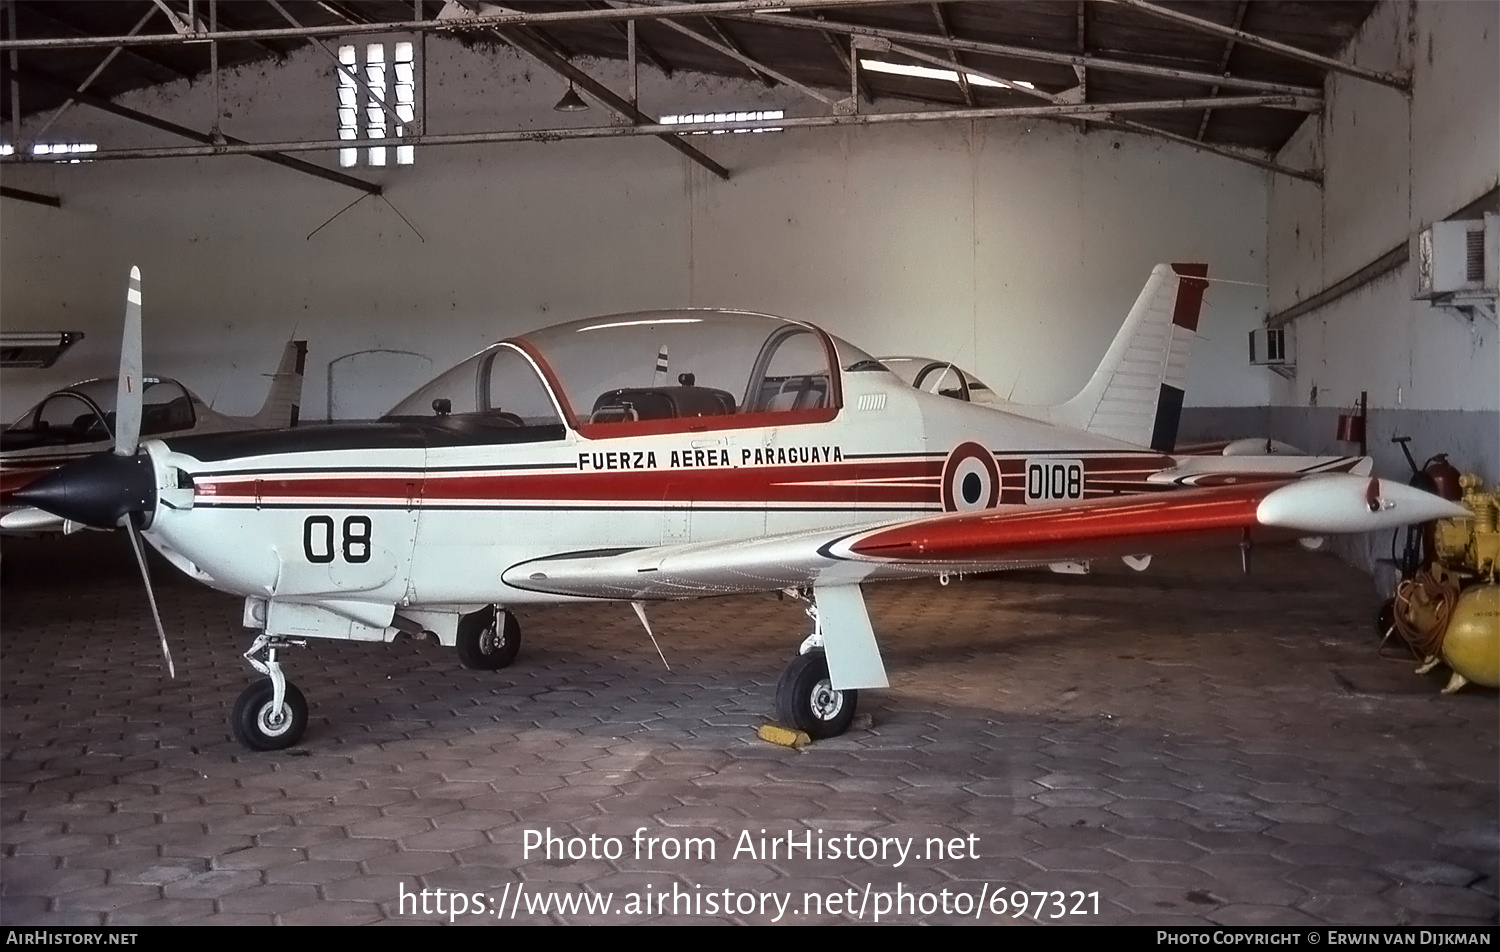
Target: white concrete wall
x,y
1392,166
1015,248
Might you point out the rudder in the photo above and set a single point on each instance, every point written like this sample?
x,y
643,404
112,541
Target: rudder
x,y
1136,393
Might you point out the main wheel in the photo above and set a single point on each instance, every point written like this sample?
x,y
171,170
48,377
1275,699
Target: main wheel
x,y
485,643
258,727
806,700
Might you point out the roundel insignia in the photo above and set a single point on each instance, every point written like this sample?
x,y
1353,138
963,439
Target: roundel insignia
x,y
971,480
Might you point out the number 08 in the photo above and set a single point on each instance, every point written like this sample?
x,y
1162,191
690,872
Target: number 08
x,y
318,539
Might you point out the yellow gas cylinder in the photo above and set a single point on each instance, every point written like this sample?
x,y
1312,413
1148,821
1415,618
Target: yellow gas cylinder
x,y
1471,645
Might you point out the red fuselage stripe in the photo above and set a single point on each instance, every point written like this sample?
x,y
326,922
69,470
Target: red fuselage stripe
x,y
909,481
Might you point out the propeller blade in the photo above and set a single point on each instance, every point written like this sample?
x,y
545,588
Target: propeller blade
x,y
128,398
140,559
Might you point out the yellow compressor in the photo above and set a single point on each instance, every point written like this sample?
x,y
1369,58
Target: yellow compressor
x,y
1449,612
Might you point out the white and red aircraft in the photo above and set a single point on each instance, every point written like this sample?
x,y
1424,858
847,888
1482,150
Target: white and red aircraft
x,y
564,465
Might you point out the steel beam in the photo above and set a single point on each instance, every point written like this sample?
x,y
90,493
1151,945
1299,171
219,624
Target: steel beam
x,y
510,18
1239,18
729,41
36,198
1040,56
642,47
1102,111
1140,127
1392,80
229,142
130,51
89,80
856,79
747,61
1381,266
352,72
963,77
604,95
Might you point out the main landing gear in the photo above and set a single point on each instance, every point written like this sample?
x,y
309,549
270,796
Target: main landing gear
x,y
271,714
805,698
488,639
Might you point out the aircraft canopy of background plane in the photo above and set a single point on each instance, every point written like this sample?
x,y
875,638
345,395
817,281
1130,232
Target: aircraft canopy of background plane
x,y
79,420
649,372
941,377
85,413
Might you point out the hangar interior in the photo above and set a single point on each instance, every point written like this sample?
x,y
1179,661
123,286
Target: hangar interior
x,y
989,183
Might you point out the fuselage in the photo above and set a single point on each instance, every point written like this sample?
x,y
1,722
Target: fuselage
x,y
432,512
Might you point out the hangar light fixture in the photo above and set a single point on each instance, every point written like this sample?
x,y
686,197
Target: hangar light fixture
x,y
571,101
928,72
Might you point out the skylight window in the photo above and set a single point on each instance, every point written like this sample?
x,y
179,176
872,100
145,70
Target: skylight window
x,y
369,93
57,148
929,72
725,117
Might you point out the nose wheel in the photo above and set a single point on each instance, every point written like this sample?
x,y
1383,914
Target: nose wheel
x,y
806,699
258,723
271,714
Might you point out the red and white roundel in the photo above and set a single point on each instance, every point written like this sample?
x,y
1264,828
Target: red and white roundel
x,y
971,480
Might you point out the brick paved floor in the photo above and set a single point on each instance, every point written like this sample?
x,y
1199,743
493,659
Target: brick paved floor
x,y
1187,745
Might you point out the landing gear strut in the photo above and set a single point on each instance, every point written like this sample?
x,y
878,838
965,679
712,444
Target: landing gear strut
x,y
488,640
271,714
805,697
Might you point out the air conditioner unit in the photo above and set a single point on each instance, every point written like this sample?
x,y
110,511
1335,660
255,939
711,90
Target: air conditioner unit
x,y
1272,347
1459,257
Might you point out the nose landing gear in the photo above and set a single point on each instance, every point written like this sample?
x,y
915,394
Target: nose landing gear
x,y
271,714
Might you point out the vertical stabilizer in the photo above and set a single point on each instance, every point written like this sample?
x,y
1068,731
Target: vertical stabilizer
x,y
284,401
1136,394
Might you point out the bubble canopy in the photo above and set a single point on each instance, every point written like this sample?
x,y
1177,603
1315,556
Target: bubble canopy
x,y
650,372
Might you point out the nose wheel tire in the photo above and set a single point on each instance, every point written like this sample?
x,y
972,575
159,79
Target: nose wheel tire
x,y
488,640
258,727
806,700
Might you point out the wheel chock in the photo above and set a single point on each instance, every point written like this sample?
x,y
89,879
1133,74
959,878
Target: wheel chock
x,y
783,736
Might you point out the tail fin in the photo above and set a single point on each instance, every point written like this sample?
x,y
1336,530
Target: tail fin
x,y
1136,394
284,401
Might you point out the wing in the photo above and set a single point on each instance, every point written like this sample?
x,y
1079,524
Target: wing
x,y
989,540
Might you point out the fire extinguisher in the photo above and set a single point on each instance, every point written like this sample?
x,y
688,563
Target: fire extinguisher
x,y
1438,476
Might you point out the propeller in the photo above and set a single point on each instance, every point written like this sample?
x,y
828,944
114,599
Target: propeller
x,y
118,488
133,534
129,400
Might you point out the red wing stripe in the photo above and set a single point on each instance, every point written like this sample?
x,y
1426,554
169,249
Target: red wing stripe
x,y
990,535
